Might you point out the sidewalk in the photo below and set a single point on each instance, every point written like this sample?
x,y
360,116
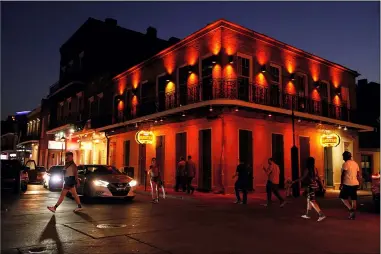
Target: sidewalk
x,y
258,195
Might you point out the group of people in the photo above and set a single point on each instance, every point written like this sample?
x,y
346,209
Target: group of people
x,y
350,181
186,171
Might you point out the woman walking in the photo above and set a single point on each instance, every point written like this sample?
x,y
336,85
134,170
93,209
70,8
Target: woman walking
x,y
155,181
310,178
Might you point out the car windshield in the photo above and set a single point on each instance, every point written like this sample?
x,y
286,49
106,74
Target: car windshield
x,y
103,170
56,169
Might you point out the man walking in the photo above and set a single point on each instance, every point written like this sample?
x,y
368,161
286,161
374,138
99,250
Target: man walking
x,y
180,173
241,183
70,181
190,174
272,172
350,181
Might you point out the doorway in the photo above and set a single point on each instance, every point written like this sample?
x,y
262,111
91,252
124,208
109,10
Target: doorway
x,y
127,153
181,146
278,156
304,153
246,153
207,78
142,164
328,165
205,160
160,154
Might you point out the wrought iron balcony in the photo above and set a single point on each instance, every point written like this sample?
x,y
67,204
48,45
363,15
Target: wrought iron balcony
x,y
236,89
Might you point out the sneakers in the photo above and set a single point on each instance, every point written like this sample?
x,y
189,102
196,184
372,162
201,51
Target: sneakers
x,y
282,204
78,209
52,208
237,202
305,216
352,215
155,201
321,217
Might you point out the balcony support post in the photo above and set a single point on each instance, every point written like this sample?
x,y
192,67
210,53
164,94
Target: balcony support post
x,y
294,156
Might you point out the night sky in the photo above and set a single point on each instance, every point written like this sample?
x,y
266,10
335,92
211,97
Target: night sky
x,y
347,33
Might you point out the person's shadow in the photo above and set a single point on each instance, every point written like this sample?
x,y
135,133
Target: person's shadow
x,y
50,232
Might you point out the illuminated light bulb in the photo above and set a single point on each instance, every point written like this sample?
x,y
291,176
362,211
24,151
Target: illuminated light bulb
x,y
345,128
270,115
299,120
183,114
161,119
339,127
210,109
236,110
136,125
155,121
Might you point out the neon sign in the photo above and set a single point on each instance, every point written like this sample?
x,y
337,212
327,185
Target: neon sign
x,y
330,140
144,137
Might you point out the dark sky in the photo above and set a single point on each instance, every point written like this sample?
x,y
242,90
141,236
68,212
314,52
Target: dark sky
x,y
32,32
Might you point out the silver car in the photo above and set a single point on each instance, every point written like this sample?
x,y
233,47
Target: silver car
x,y
104,181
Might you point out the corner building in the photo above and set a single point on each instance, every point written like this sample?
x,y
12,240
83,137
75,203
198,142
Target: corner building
x,y
226,93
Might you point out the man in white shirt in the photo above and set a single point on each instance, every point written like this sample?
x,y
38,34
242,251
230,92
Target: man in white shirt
x,y
350,176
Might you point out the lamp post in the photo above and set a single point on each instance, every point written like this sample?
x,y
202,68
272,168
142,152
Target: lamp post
x,y
63,142
294,155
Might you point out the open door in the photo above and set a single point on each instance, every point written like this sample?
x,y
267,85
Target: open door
x,y
32,170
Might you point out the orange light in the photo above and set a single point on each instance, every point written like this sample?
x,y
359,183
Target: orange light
x,y
136,79
145,137
214,41
336,100
229,42
336,76
229,72
330,140
122,83
134,100
260,79
314,70
290,88
289,61
315,95
120,105
192,79
191,54
170,87
169,63
262,53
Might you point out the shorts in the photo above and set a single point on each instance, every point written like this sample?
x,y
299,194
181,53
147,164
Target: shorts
x,y
69,182
310,193
348,191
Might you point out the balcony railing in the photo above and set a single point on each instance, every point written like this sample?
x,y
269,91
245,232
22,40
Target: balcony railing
x,y
235,89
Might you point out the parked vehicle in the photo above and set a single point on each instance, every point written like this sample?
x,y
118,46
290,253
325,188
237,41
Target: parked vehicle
x,y
36,173
14,176
376,191
53,178
41,170
105,181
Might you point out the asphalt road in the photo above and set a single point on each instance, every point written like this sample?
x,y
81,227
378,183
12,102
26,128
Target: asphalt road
x,y
182,226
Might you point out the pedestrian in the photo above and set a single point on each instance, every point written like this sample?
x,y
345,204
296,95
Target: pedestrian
x,y
310,180
350,181
70,182
155,181
242,173
190,174
272,172
180,174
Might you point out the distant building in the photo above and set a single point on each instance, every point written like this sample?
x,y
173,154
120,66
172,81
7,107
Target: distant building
x,y
368,101
82,98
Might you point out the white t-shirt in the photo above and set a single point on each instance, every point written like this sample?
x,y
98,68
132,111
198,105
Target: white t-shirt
x,y
351,168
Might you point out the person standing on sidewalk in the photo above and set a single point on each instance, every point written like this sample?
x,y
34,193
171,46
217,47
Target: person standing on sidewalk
x,y
241,184
272,172
180,174
70,182
155,181
310,178
350,181
190,174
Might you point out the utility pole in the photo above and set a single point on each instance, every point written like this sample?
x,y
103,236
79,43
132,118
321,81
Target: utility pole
x,y
294,155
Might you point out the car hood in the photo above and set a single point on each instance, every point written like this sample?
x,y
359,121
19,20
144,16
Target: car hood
x,y
113,178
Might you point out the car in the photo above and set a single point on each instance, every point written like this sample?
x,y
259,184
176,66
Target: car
x,y
53,178
14,176
40,174
376,191
105,182
36,173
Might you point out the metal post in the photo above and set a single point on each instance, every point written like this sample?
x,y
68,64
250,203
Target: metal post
x,y
294,156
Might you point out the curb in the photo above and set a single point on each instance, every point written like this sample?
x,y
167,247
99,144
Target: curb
x,y
147,193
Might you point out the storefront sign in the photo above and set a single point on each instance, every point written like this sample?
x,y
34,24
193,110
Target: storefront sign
x,y
330,140
56,145
71,146
144,137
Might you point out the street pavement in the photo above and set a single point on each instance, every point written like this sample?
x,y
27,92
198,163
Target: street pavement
x,y
204,223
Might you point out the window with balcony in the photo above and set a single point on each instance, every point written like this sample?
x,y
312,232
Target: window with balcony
x,y
183,85
148,99
275,77
345,96
207,65
243,71
274,74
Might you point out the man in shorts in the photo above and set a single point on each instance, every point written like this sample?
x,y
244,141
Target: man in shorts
x,y
350,181
70,182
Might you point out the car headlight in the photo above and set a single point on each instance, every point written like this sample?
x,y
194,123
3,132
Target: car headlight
x,y
133,183
100,183
56,178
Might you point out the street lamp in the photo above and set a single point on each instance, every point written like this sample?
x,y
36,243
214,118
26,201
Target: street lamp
x,y
294,155
63,142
